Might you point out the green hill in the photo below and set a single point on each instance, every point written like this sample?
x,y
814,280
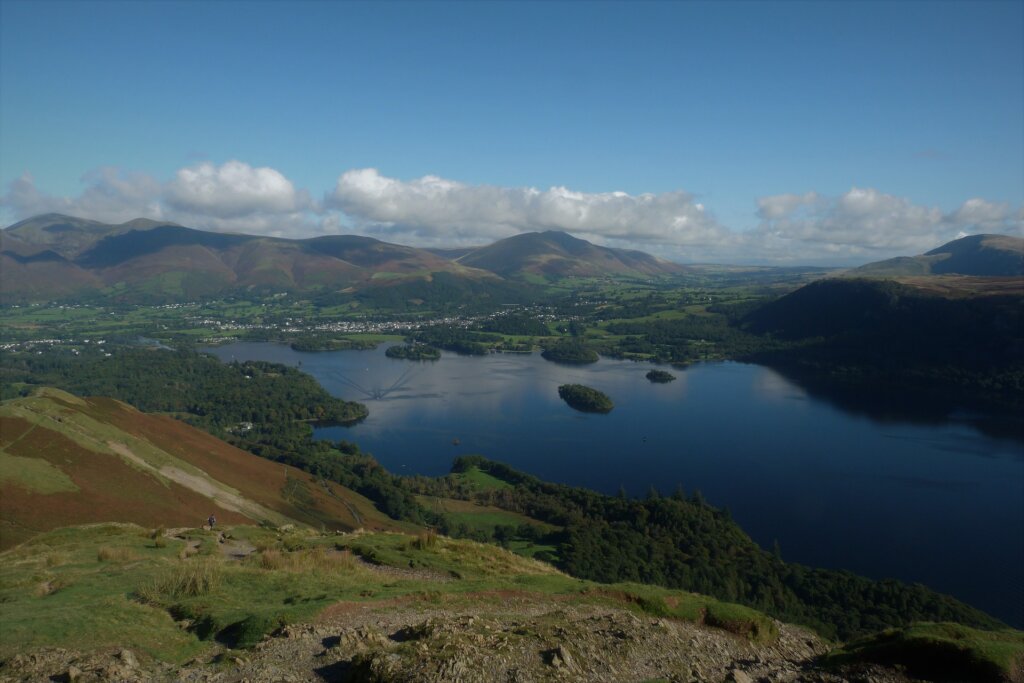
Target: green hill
x,y
56,256
979,255
554,255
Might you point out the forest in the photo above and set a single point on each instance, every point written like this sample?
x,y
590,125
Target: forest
x,y
681,541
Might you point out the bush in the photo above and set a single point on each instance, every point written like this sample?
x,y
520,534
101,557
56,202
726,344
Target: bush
x,y
157,536
425,541
250,631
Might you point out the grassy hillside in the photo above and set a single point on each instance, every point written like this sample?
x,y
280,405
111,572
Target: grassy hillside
x,y
979,255
67,460
94,586
145,261
124,602
555,255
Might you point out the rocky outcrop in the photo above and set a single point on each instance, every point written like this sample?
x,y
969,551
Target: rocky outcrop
x,y
509,639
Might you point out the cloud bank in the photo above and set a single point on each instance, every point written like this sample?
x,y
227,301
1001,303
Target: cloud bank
x,y
431,207
864,221
859,225
232,197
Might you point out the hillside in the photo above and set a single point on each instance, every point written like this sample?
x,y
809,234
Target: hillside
x,y
55,256
113,602
554,255
971,335
979,255
67,460
60,257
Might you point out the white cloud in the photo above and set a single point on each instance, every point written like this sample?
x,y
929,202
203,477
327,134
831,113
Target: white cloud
x,y
232,190
233,197
866,222
109,196
984,215
434,208
780,205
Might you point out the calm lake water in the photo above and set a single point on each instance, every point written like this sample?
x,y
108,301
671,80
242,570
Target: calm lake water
x,y
883,485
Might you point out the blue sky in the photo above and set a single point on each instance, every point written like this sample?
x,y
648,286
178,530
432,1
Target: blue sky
x,y
774,132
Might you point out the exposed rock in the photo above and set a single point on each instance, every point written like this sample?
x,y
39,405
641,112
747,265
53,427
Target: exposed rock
x,y
127,658
509,639
738,676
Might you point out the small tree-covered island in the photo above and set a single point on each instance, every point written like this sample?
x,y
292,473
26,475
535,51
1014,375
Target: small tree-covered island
x,y
413,352
660,376
585,398
572,352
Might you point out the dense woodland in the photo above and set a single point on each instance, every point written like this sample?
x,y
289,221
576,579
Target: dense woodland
x,y
586,399
884,332
457,339
682,542
413,352
570,351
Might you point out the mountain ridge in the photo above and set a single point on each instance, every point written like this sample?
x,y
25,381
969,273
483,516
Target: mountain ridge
x,y
555,254
54,255
985,255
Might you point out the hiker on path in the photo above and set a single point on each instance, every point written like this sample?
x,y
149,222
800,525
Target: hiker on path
x,y
211,521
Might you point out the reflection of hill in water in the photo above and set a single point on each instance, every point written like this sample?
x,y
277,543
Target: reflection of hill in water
x,y
894,404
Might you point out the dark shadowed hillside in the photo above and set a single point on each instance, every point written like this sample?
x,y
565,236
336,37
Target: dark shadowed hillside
x,y
876,326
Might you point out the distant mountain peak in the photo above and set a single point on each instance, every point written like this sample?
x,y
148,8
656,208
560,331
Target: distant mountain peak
x,y
555,254
984,255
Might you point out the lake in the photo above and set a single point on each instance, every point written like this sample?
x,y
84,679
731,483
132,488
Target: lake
x,y
882,484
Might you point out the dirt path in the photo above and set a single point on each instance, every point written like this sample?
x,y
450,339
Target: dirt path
x,y
220,494
234,548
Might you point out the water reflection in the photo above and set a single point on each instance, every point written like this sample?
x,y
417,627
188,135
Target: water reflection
x,y
899,405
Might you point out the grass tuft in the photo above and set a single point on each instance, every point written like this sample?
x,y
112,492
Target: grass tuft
x,y
427,540
192,578
49,587
314,560
57,558
158,537
107,553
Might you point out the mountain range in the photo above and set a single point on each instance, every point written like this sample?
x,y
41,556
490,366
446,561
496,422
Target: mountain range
x,y
54,256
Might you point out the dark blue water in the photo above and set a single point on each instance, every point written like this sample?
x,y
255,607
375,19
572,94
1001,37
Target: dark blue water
x,y
883,485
